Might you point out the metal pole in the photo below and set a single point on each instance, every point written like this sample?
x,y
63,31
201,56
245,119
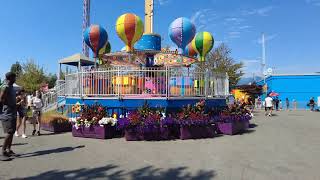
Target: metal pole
x,y
263,64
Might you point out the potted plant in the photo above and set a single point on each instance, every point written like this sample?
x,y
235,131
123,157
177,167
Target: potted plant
x,y
194,123
55,122
233,121
94,122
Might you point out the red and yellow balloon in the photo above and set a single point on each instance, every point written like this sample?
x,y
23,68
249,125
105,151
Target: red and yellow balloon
x,y
129,28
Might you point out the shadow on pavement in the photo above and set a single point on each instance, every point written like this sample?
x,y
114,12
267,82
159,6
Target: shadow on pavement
x,y
252,125
17,144
113,172
50,151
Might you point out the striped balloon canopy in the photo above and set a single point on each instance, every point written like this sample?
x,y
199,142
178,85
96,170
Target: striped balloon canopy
x,y
95,37
190,51
105,49
129,28
203,43
181,32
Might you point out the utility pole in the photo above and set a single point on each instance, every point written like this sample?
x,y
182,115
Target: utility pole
x,y
263,59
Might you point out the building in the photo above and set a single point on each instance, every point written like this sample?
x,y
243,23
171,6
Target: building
x,y
296,87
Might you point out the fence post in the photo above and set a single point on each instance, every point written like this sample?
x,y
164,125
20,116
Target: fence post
x,y
118,83
167,83
206,83
226,85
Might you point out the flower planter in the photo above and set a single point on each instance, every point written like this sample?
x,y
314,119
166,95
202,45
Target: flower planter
x,y
94,131
151,133
56,128
197,132
132,134
232,128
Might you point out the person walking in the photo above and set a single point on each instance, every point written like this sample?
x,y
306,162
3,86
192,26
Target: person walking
x,y
287,104
312,104
280,105
295,104
268,104
37,110
22,111
277,103
8,115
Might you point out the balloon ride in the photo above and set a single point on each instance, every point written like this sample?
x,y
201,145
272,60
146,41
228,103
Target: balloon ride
x,y
144,70
106,49
129,28
190,51
203,43
95,37
181,32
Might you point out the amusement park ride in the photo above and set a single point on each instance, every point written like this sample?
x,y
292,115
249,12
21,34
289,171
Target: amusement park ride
x,y
143,72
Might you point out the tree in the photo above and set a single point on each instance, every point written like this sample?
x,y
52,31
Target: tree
x,y
51,80
32,76
16,68
220,58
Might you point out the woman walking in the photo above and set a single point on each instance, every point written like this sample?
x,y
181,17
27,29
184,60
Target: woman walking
x,y
21,109
37,109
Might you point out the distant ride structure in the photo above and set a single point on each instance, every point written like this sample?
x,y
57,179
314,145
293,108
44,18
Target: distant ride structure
x,y
143,71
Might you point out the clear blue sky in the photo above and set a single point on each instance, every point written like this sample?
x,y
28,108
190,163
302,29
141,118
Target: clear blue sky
x,y
47,30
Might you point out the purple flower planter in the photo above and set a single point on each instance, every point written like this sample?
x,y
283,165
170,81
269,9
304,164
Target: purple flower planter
x,y
232,128
57,128
94,131
197,132
132,135
151,133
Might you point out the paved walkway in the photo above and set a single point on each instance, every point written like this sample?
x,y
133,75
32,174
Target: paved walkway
x,y
285,146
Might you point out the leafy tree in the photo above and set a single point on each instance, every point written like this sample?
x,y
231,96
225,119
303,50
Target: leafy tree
x,y
51,80
16,68
32,76
221,59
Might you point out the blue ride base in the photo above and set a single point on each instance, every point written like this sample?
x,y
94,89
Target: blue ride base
x,y
121,106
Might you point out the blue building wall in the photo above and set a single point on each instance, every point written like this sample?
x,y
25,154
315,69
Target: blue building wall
x,y
295,87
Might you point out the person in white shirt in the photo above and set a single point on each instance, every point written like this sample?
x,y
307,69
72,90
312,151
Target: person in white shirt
x,y
269,104
37,105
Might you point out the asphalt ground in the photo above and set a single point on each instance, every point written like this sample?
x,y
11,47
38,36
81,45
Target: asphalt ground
x,y
285,146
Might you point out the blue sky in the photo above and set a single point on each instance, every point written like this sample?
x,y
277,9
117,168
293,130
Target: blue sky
x,y
49,30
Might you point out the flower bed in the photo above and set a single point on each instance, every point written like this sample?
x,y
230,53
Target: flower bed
x,y
195,124
55,123
94,123
94,131
233,124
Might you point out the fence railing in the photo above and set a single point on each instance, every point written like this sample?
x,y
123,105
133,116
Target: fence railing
x,y
146,82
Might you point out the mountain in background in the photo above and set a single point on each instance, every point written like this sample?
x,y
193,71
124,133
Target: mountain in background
x,y
248,80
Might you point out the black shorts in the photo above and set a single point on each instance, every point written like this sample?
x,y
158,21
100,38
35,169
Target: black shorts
x,y
21,112
269,108
9,125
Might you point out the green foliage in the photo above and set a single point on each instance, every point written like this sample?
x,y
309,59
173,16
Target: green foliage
x,y
51,80
32,76
221,59
16,68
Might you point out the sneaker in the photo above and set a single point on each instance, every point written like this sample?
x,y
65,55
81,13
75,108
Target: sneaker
x,y
34,132
16,134
12,154
5,157
24,136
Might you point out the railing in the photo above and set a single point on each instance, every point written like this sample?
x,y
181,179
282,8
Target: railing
x,y
131,82
51,99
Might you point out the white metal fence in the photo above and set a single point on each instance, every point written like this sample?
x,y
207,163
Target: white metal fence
x,y
146,82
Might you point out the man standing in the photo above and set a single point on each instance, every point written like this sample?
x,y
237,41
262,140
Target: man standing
x,y
269,104
8,115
